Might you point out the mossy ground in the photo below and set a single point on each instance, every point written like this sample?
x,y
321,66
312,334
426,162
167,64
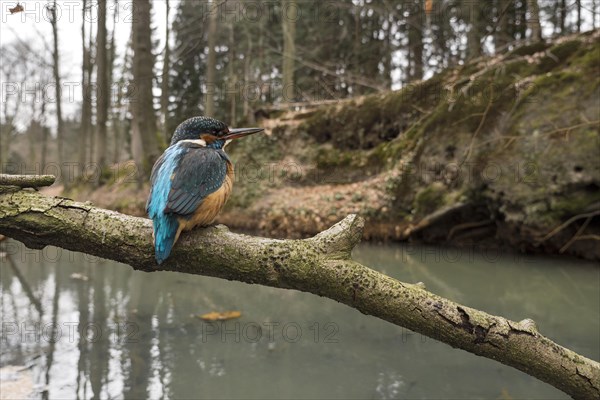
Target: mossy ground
x,y
513,136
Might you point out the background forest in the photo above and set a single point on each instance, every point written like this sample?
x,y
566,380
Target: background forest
x,y
234,60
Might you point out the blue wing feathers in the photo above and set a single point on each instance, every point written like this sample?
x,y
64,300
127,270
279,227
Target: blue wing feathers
x,y
165,225
181,178
165,230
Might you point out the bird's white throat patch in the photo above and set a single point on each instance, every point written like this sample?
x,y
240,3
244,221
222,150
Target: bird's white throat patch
x,y
200,142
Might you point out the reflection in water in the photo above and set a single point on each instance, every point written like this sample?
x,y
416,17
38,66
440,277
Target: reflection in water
x,y
52,332
90,328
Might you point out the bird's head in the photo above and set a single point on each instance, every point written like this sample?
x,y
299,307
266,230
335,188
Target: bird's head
x,y
209,132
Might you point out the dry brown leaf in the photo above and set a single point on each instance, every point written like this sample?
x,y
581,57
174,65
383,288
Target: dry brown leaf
x,y
428,6
220,316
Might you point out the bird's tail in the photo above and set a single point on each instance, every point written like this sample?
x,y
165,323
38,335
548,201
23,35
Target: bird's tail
x,y
165,236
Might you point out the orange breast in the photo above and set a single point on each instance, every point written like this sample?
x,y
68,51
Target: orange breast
x,y
211,206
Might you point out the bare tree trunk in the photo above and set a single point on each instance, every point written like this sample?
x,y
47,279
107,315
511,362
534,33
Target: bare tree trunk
x,y
57,82
164,89
7,128
533,23
288,20
357,42
474,36
101,87
232,77
117,129
503,35
321,265
211,62
578,2
563,17
415,42
246,102
520,21
114,115
86,119
90,72
144,142
45,129
389,47
122,108
33,135
4,143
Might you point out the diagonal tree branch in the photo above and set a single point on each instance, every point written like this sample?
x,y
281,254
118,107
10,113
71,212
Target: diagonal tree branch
x,y
321,265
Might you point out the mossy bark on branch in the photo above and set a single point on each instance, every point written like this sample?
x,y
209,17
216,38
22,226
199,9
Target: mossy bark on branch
x,y
27,181
321,265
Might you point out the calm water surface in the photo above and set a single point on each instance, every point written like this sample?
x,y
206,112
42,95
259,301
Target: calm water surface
x,y
126,334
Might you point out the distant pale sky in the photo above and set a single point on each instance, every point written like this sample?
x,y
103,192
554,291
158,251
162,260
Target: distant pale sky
x,y
33,24
26,25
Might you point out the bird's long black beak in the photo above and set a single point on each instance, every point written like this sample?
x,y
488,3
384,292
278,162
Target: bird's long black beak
x,y
241,132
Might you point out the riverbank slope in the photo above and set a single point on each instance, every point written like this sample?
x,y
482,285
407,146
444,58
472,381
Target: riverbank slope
x,y
501,152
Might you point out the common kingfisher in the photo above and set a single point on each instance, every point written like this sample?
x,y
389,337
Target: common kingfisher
x,y
191,181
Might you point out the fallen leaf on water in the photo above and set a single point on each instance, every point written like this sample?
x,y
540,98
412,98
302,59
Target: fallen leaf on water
x,y
79,277
504,395
220,316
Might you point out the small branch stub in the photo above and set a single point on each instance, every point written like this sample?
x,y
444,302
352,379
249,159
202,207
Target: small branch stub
x,y
27,181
